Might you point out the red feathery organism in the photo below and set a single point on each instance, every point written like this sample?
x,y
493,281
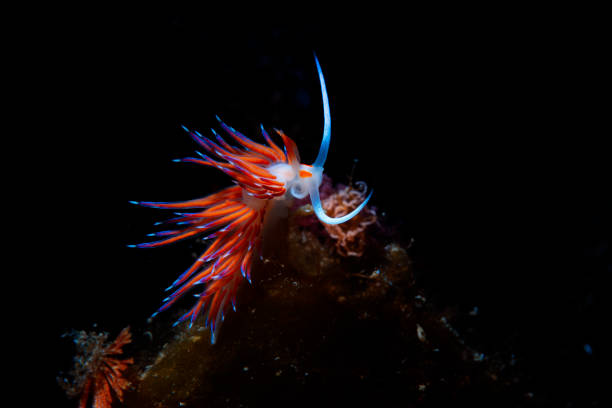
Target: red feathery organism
x,y
96,370
264,176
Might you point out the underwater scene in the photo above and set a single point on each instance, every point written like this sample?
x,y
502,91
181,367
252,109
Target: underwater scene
x,y
268,214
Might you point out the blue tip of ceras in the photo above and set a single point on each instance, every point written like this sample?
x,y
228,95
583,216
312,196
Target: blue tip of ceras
x,y
134,202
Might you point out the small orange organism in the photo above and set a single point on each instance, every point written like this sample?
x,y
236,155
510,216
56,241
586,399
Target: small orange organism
x,y
96,370
350,236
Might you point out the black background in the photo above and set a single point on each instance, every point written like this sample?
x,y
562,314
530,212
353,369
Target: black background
x,y
481,136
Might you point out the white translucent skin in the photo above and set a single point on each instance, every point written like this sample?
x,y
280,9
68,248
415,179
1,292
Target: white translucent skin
x,y
296,186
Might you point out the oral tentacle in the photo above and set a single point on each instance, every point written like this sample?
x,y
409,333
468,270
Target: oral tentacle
x,y
318,208
320,161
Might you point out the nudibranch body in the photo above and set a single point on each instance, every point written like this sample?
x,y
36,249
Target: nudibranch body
x,y
234,217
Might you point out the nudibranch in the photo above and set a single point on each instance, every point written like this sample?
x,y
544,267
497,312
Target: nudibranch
x,y
263,174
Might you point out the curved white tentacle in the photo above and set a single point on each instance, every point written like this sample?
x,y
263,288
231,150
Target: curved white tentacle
x,y
320,161
316,204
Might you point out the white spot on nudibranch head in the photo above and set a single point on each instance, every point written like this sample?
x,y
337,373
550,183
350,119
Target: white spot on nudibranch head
x,y
298,180
284,172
